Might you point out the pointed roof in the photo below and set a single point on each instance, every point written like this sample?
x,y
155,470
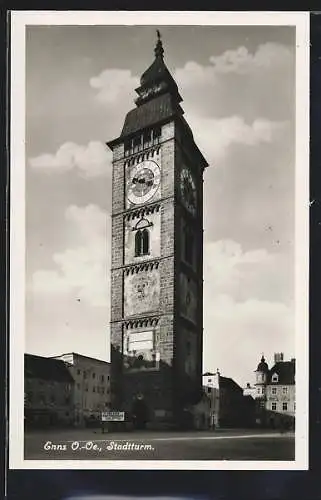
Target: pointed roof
x,y
158,102
157,80
285,371
262,366
46,369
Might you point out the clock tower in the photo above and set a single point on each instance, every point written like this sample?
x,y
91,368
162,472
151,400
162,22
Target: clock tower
x,y
157,254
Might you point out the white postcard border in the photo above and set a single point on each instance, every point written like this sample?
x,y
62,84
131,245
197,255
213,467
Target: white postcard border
x,y
19,20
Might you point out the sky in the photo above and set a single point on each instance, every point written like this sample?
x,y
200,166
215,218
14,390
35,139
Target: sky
x,y
238,89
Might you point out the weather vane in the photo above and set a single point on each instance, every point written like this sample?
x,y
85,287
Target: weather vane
x,y
159,51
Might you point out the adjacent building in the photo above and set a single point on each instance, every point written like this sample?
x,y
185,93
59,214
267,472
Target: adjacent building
x,y
228,406
275,390
91,392
250,390
48,392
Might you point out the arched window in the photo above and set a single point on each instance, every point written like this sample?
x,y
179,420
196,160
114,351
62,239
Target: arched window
x,y
141,242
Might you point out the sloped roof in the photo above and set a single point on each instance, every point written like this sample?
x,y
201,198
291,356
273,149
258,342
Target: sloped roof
x,y
46,369
262,366
286,372
154,111
229,383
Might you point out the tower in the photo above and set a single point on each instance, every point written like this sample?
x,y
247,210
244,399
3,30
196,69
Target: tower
x,y
261,377
157,253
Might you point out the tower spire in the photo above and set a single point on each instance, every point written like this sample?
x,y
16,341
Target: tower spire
x,y
159,51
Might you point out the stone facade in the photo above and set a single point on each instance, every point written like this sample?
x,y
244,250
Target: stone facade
x,y
49,389
156,338
91,391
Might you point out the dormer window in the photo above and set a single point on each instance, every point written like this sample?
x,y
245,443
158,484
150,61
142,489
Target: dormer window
x,y
275,378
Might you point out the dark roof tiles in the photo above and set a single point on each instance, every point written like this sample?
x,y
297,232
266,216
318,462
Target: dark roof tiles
x,y
46,369
150,113
285,371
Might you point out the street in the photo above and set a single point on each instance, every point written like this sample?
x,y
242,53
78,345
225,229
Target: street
x,y
87,444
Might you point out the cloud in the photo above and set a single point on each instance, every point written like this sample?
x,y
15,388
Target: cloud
x,y
267,57
226,263
114,86
93,160
81,270
228,269
236,333
242,83
238,324
204,88
244,311
215,136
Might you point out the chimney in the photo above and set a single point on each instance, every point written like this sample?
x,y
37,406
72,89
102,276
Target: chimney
x,y
278,357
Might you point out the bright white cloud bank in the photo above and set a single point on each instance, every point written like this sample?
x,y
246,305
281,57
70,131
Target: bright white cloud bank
x,y
215,136
238,61
115,86
83,270
88,161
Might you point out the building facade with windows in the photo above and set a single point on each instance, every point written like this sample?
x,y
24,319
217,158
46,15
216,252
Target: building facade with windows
x,y
228,406
91,392
48,388
275,388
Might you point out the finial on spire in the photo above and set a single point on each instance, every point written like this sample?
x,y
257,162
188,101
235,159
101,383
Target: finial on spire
x,y
159,51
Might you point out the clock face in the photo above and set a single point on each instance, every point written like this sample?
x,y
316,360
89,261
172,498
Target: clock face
x,y
188,190
143,182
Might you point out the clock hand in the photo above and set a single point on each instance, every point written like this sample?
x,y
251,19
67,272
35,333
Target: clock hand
x,y
139,180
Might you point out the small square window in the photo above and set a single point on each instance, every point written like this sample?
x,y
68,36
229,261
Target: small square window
x,y
285,390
